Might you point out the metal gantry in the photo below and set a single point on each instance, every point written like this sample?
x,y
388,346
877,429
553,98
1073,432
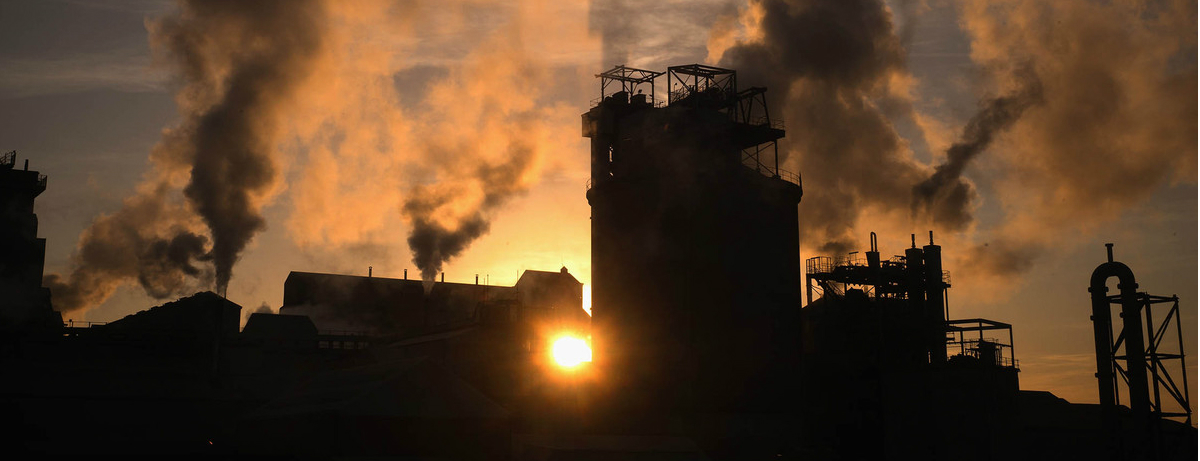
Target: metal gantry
x,y
629,79
1157,360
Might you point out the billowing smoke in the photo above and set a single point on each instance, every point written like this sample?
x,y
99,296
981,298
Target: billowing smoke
x,y
945,196
445,162
240,65
836,72
1116,119
433,241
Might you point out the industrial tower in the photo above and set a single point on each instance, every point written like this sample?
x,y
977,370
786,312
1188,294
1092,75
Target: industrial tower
x,y
695,247
22,254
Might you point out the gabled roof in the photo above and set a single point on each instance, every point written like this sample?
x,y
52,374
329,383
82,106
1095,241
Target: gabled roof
x,y
542,277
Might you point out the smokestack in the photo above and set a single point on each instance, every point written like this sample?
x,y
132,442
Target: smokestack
x,y
369,268
405,274
443,277
477,279
26,164
935,300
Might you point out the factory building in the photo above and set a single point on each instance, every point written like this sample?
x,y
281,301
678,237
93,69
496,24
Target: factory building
x,y
695,256
398,308
25,304
880,359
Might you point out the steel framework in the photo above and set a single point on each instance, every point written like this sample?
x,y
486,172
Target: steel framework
x,y
629,79
1157,361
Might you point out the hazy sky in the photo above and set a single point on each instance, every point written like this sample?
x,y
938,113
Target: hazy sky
x,y
367,120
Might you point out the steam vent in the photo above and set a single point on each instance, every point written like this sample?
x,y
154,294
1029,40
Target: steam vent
x,y
695,255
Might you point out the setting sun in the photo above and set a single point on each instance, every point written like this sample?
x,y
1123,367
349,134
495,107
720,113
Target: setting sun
x,y
569,351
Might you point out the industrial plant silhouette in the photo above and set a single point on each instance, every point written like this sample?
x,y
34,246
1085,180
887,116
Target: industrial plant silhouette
x,y
709,339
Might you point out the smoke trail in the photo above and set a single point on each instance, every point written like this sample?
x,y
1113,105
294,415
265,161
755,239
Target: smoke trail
x,y
945,195
241,64
1115,120
614,20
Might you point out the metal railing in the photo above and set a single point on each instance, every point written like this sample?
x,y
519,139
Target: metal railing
x,y
656,103
765,121
826,264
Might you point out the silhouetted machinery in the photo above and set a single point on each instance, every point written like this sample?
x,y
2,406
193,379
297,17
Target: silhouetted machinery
x,y
881,361
695,249
1146,373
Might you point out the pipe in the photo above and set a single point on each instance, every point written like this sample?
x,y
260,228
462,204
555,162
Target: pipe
x,y
914,284
1135,350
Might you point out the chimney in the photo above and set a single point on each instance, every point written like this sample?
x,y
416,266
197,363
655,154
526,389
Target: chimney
x,y
477,279
369,269
26,164
443,277
405,274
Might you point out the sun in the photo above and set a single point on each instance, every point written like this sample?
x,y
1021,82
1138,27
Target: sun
x,y
569,351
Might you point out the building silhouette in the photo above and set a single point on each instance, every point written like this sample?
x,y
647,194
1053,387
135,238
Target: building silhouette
x,y
711,340
24,302
695,250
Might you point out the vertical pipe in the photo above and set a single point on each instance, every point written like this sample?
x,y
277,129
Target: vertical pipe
x,y
1135,351
914,281
935,289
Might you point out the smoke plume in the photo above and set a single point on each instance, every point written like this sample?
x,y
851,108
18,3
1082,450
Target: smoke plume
x,y
945,196
240,64
446,161
434,241
1116,119
150,239
836,72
